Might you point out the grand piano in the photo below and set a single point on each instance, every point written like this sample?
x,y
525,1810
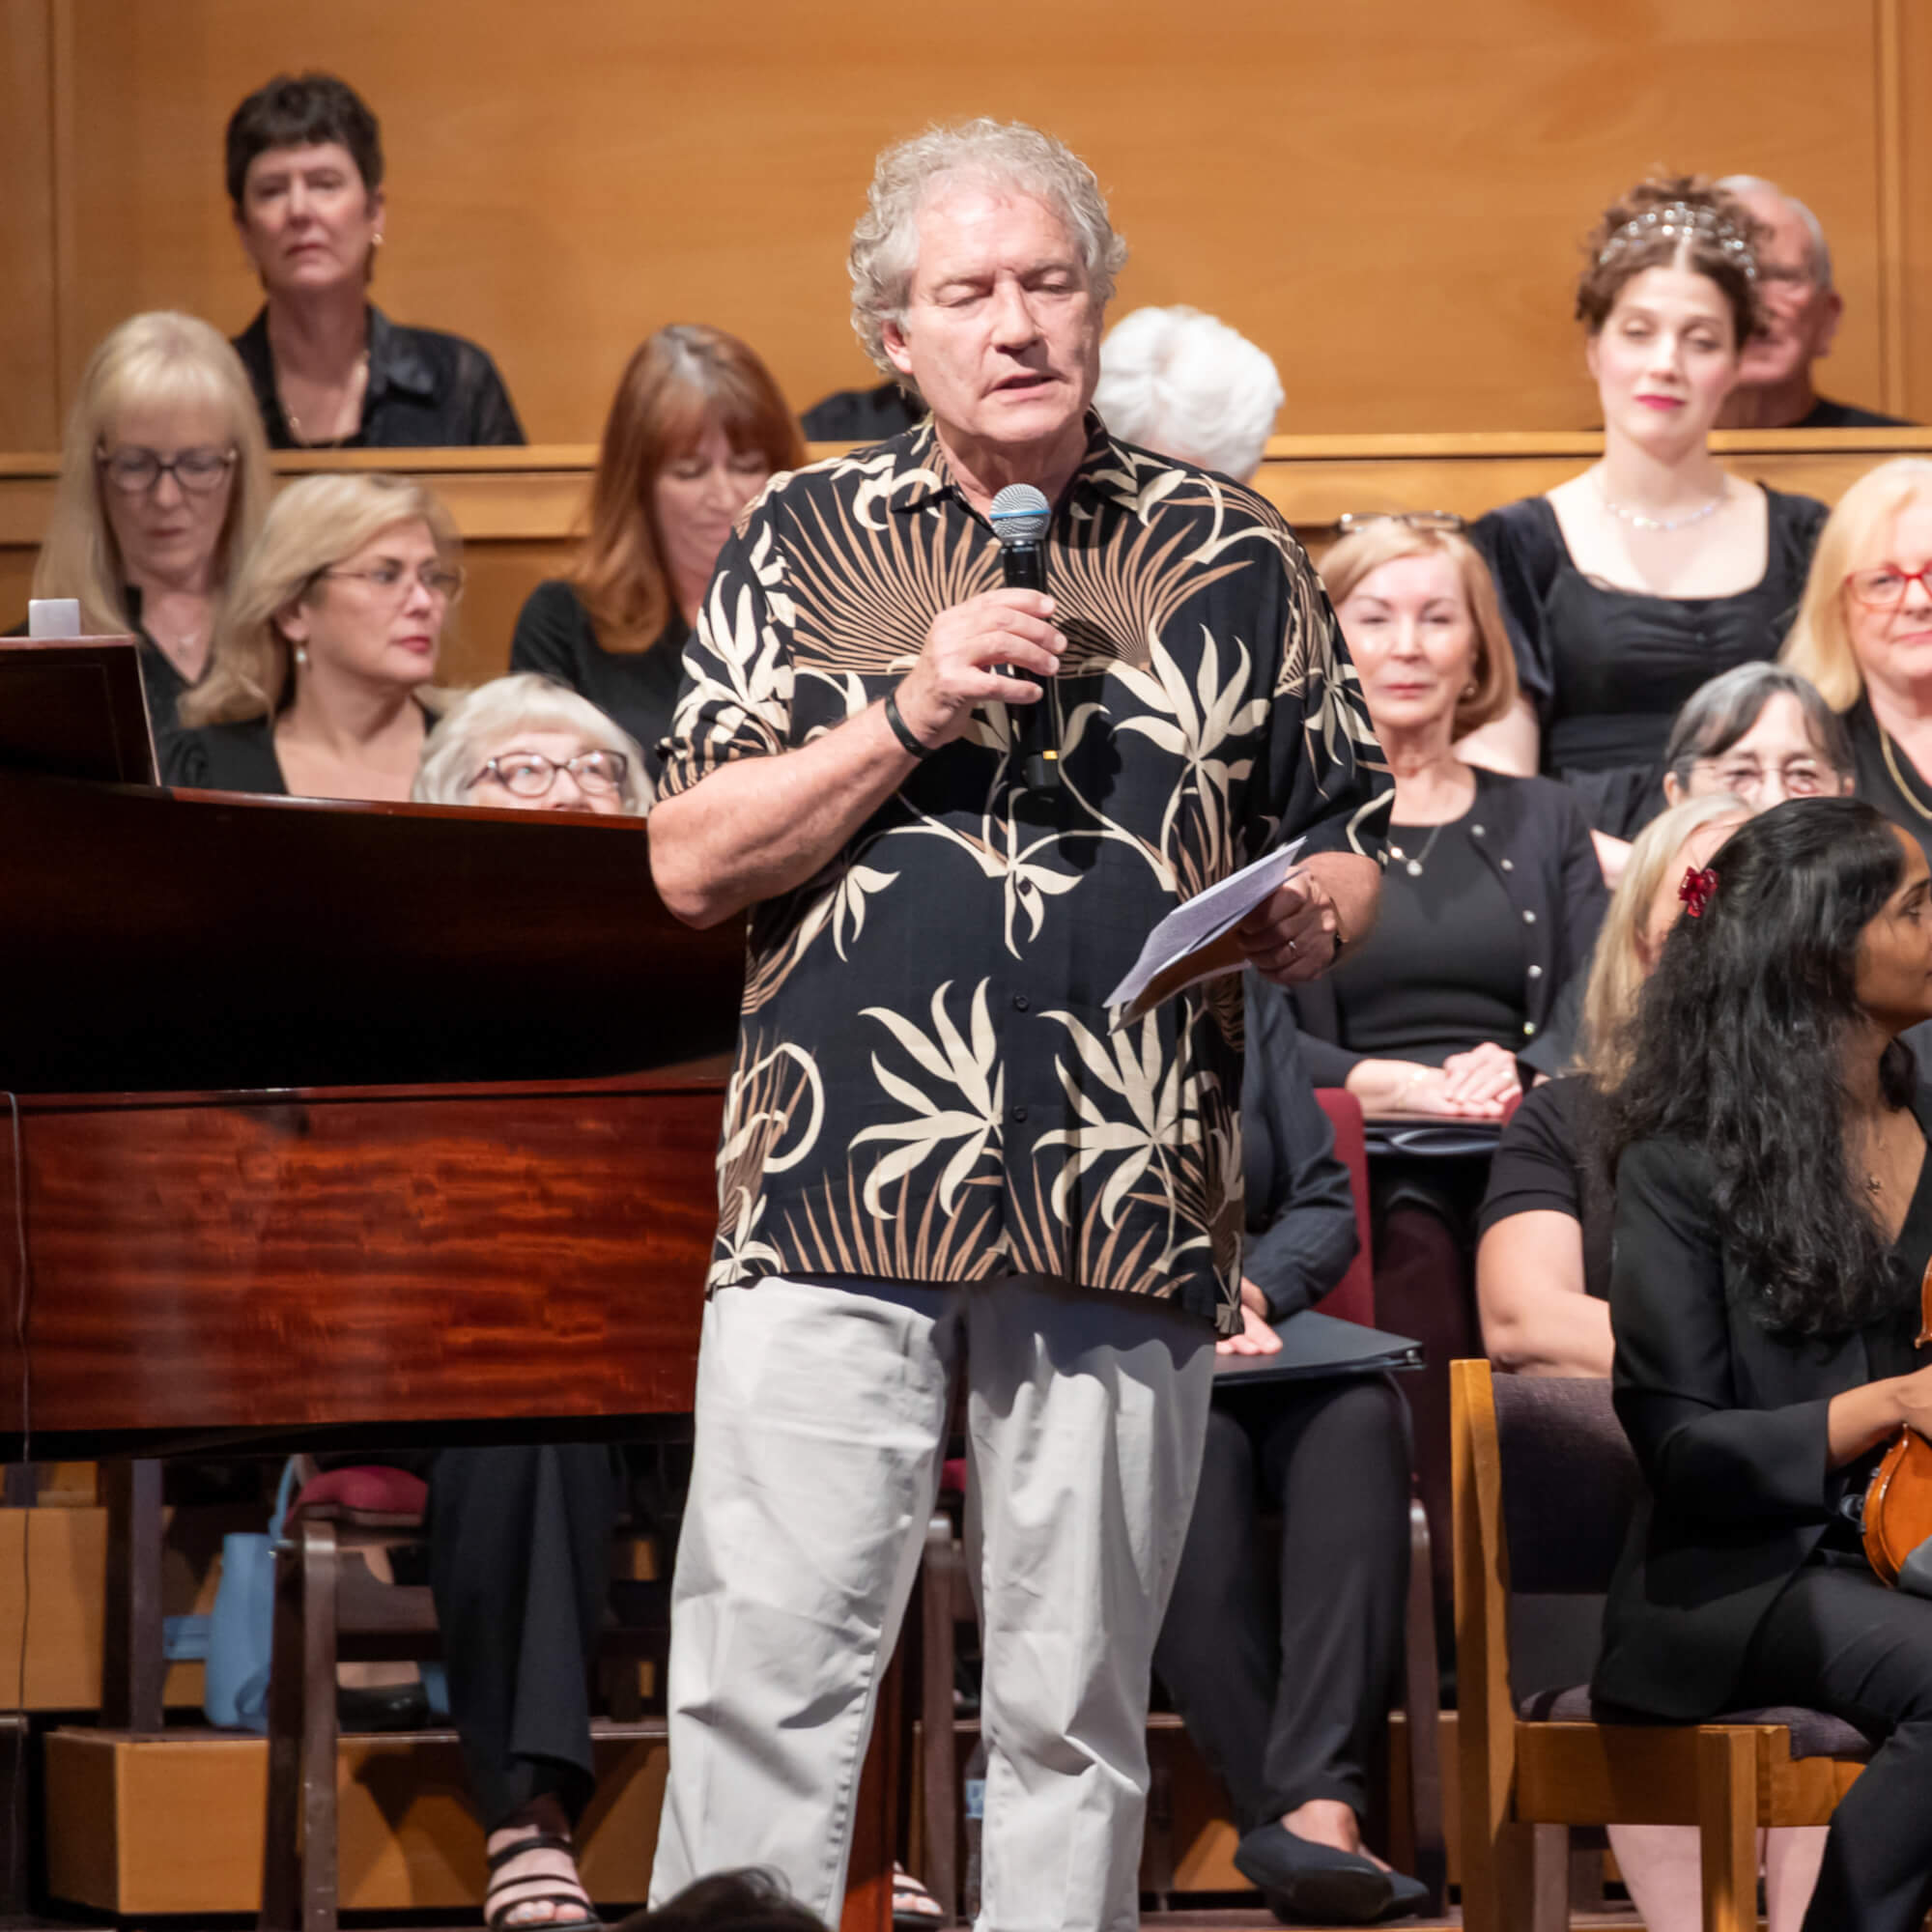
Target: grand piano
x,y
343,1125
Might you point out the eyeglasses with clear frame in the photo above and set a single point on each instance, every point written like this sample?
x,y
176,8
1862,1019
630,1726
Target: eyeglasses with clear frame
x,y
1351,520
136,472
1884,585
443,580
531,775
1796,778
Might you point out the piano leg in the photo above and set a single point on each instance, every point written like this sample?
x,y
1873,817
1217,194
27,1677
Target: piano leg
x,y
131,1663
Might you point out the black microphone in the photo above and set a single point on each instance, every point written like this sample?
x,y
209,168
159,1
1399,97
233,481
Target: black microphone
x,y
1019,515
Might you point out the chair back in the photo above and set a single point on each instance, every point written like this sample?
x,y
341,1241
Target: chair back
x,y
1352,1298
1570,1482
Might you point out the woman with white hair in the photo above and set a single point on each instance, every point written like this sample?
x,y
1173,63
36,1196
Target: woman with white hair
x,y
529,744
320,679
163,483
1185,385
1863,634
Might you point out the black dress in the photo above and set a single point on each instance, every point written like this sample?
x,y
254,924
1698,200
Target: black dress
x,y
426,391
637,689
1608,669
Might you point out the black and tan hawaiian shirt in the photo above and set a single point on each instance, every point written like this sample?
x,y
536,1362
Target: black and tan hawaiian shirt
x,y
928,1087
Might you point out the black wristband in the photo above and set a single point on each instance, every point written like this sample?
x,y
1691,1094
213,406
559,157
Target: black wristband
x,y
903,731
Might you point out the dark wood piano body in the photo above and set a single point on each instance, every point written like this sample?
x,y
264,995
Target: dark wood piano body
x,y
344,1124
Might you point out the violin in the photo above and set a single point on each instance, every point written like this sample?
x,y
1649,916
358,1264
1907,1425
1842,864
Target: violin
x,y
1898,1498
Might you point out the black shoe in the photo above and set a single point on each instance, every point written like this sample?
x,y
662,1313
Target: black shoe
x,y
386,1707
1309,1884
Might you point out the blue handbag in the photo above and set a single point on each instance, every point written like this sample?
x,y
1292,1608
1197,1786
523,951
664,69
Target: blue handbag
x,y
240,1629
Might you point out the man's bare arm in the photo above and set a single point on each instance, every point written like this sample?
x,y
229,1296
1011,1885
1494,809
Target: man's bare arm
x,y
758,826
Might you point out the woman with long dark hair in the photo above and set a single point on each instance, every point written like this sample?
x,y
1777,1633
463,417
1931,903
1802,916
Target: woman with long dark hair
x,y
1773,1220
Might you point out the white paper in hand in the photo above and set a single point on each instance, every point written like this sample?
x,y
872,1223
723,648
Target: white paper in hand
x,y
1182,951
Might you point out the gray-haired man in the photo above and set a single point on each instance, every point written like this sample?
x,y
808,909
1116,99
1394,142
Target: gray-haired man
x,y
941,1164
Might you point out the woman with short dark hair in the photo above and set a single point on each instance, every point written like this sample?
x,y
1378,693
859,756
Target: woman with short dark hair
x,y
1772,1227
329,369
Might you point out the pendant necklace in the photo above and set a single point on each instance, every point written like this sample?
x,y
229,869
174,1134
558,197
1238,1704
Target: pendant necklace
x,y
1413,866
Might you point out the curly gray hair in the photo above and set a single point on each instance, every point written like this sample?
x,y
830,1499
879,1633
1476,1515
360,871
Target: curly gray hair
x,y
1003,154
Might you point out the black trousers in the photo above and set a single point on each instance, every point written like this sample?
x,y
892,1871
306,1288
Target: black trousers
x,y
519,1560
1838,1640
1284,1681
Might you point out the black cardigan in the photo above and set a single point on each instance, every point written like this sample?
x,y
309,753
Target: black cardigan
x,y
1535,838
1300,1210
1729,1423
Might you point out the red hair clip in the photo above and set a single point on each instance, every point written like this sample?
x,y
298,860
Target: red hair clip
x,y
1696,889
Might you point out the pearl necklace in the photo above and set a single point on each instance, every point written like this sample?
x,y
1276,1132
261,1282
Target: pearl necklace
x,y
1639,522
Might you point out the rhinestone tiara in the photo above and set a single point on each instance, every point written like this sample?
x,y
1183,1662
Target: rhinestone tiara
x,y
1682,219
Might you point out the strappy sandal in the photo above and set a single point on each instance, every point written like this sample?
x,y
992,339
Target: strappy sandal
x,y
913,1906
505,1895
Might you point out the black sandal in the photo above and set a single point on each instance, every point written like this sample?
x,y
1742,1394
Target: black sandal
x,y
497,1904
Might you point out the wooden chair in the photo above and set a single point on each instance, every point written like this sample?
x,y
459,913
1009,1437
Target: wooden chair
x,y
330,1609
1544,1482
946,1601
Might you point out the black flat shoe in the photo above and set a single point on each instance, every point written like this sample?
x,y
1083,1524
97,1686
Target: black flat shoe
x,y
385,1707
1309,1884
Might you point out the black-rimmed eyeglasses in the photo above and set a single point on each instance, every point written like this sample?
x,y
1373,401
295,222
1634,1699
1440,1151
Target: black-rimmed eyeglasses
x,y
136,472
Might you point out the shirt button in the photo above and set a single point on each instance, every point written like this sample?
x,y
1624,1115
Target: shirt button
x,y
1529,918
1509,864
1528,1028
1475,832
1020,1113
1536,972
1021,1003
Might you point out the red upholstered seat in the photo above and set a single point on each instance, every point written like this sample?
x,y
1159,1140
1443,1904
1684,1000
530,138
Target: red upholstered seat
x,y
371,1493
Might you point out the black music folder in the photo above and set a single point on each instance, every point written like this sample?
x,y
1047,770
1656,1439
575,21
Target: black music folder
x,y
1314,1346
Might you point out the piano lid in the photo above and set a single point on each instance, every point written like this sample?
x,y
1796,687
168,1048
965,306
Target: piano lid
x,y
160,942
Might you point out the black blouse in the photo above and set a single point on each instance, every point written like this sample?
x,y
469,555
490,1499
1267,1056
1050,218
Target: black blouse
x,y
1884,775
426,391
226,757
1606,669
637,689
1544,1163
1529,901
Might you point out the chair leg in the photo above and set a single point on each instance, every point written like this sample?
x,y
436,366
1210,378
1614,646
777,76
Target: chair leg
x,y
281,1866
1422,1699
320,1564
1550,1884
938,1789
1727,1827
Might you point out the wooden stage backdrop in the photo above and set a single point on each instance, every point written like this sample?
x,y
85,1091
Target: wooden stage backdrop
x,y
1388,194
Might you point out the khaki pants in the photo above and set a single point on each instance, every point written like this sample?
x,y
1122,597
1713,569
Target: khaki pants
x,y
822,1407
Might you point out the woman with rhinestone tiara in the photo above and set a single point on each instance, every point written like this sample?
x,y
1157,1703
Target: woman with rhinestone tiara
x,y
1627,586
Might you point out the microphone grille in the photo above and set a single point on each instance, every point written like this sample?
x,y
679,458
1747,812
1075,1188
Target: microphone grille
x,y
1020,514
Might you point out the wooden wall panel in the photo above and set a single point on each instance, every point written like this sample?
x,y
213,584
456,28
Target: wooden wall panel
x,y
1387,195
27,413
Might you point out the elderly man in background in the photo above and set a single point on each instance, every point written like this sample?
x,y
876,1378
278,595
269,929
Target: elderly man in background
x,y
1803,309
1185,385
940,1159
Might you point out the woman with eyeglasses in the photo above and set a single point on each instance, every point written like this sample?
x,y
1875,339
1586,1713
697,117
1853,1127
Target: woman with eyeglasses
x,y
529,744
321,684
1864,636
163,483
1629,586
